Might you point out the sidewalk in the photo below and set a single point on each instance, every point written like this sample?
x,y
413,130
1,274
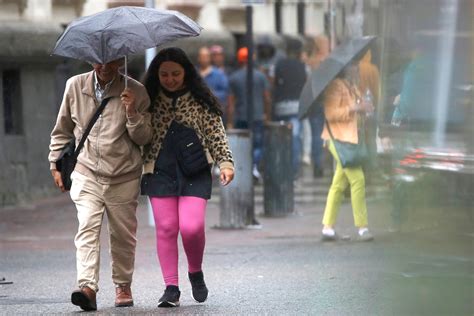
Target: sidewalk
x,y
281,269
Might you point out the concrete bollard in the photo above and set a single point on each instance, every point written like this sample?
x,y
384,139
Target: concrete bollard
x,y
237,198
278,188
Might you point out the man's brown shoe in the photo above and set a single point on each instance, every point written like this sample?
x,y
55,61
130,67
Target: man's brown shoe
x,y
84,298
123,296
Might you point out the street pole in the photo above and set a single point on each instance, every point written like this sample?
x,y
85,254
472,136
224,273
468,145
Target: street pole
x,y
237,200
300,17
149,55
250,105
249,35
278,27
151,52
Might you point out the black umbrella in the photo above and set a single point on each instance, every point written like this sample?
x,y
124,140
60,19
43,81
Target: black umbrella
x,y
115,33
319,79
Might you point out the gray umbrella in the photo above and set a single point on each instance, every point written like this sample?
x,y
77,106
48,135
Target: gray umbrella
x,y
320,78
115,33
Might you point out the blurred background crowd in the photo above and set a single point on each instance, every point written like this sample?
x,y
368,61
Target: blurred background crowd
x,y
420,78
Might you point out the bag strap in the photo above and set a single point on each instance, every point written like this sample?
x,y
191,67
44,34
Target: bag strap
x,y
329,129
90,125
361,135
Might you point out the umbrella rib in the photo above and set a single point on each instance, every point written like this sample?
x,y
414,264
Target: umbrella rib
x,y
146,26
102,43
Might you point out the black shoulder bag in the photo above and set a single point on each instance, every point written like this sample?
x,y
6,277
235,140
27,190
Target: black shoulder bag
x,y
68,157
189,151
351,155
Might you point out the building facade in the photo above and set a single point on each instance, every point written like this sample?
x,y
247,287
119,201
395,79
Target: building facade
x,y
32,81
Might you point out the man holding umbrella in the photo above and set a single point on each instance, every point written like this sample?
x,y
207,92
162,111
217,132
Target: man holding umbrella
x,y
107,174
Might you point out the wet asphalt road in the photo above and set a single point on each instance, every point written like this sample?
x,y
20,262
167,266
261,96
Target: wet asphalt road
x,y
281,269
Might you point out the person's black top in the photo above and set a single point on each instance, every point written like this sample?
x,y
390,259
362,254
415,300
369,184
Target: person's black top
x,y
290,77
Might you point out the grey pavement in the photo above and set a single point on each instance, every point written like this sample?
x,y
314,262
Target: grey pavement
x,y
281,269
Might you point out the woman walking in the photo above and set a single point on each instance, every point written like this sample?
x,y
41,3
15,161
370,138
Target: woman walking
x,y
183,110
342,108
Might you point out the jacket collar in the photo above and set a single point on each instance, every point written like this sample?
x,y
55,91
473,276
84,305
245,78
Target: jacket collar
x,y
169,97
114,91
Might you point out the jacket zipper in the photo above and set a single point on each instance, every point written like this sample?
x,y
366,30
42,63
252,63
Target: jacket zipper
x,y
173,104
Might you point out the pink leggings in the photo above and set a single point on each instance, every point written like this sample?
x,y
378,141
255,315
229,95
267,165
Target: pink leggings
x,y
184,214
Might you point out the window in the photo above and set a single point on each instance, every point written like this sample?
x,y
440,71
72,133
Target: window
x,y
12,111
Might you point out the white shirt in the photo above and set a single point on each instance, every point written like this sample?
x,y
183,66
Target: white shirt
x,y
99,92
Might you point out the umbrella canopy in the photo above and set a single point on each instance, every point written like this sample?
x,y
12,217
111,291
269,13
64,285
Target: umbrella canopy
x,y
320,78
118,32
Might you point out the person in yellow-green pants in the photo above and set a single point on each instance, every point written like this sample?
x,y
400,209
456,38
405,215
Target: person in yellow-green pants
x,y
342,178
342,106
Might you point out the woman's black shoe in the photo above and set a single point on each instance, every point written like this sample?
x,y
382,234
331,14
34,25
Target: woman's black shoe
x,y
199,286
170,298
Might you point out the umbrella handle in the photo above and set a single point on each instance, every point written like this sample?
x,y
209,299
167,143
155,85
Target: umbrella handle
x,y
126,76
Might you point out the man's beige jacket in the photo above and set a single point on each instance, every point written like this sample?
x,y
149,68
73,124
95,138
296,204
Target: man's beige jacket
x,y
112,152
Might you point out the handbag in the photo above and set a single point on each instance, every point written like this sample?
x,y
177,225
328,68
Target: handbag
x,y
189,151
68,157
351,155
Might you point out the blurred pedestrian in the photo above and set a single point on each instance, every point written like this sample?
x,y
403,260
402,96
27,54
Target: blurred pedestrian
x,y
417,76
394,79
238,106
290,77
411,106
369,86
267,56
214,77
343,107
319,53
308,48
218,59
182,106
107,173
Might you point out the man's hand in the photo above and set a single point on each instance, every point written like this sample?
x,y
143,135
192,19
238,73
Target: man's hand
x,y
368,107
128,101
58,180
226,176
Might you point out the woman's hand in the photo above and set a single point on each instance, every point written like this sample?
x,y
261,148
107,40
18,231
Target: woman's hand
x,y
128,101
58,180
368,107
226,176
363,107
